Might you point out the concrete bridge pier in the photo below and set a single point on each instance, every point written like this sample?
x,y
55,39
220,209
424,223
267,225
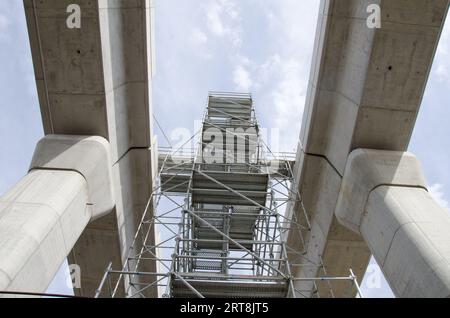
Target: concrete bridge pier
x,y
384,198
41,218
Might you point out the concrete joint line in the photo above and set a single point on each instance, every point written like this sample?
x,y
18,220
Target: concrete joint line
x,y
387,185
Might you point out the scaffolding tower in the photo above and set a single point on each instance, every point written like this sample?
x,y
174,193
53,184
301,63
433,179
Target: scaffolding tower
x,y
215,224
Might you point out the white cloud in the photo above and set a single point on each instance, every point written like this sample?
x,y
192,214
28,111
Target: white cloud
x,y
280,80
289,94
223,20
288,100
198,43
241,78
436,191
214,19
199,37
268,54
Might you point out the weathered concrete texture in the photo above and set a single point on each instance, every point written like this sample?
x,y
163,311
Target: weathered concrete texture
x,y
101,232
367,169
88,155
93,80
96,81
383,198
132,176
320,190
133,203
364,91
40,220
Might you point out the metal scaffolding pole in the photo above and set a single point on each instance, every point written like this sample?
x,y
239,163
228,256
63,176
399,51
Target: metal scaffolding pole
x,y
227,234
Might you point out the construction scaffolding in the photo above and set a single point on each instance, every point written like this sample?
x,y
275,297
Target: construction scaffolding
x,y
219,225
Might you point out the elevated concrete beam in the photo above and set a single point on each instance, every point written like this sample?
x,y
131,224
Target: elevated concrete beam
x,y
96,81
365,89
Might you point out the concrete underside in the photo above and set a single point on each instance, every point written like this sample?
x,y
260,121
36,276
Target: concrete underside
x,y
41,218
409,234
96,81
365,89
384,198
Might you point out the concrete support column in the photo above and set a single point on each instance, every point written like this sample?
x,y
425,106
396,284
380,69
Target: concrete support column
x,y
96,81
42,217
384,198
364,91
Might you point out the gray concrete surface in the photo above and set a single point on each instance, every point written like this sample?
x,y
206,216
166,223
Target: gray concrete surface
x,y
383,198
365,90
96,81
88,155
42,217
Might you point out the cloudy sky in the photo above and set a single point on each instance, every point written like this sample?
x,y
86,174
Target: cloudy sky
x,y
258,46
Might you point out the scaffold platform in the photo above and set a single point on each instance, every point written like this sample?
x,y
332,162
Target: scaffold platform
x,y
218,226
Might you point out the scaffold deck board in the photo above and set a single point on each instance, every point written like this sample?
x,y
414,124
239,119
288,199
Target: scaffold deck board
x,y
230,289
216,188
241,227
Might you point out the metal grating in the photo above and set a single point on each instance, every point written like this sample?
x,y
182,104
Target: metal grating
x,y
230,289
224,234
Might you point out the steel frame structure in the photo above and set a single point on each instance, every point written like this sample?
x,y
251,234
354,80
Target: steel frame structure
x,y
223,222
